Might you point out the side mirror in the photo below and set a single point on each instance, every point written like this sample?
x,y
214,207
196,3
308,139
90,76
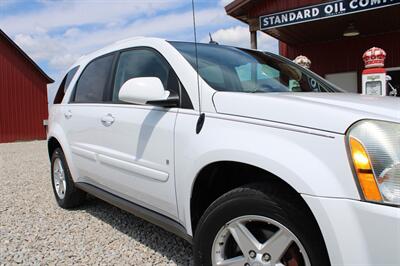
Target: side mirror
x,y
143,90
388,78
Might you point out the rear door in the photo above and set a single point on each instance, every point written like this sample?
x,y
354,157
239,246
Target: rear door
x,y
81,117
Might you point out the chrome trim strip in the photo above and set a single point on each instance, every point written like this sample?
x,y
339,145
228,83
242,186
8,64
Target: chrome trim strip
x,y
267,123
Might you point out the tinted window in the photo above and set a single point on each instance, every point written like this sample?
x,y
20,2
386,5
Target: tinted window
x,y
233,69
93,81
69,77
64,85
144,63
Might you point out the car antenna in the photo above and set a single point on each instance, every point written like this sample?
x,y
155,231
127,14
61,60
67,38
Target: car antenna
x,y
211,39
202,116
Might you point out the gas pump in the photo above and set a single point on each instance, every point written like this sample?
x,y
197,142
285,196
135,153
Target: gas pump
x,y
375,81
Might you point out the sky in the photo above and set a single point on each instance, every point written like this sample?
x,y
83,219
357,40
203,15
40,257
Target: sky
x,y
55,33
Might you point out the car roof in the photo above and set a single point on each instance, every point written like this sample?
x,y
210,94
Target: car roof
x,y
135,42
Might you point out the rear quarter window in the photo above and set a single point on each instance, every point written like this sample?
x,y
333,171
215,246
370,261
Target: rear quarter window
x,y
64,85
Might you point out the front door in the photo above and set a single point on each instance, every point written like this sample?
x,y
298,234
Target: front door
x,y
138,152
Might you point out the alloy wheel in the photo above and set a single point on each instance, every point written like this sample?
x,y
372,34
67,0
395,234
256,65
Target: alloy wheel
x,y
257,241
60,183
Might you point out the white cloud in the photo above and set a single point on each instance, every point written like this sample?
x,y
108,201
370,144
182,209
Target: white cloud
x,y
63,13
225,2
56,33
239,36
267,43
62,61
41,46
63,49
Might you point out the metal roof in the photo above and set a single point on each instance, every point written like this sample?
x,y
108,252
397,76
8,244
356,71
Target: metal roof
x,y
235,5
10,41
373,21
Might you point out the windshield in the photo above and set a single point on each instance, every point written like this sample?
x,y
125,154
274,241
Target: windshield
x,y
227,68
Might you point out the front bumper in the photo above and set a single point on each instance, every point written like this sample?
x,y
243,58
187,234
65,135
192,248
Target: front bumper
x,y
358,233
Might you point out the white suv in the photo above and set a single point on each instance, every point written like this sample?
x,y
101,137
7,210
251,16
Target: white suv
x,y
254,159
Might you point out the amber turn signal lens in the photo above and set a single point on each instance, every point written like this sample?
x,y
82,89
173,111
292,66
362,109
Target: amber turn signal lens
x,y
362,165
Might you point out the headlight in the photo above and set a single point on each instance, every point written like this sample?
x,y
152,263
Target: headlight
x,y
375,153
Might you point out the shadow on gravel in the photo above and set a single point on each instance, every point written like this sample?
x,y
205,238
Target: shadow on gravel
x,y
163,242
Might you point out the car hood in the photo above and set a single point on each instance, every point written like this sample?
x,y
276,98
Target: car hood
x,y
333,112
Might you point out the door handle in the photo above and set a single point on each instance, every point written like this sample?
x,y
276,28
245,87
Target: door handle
x,y
107,120
68,114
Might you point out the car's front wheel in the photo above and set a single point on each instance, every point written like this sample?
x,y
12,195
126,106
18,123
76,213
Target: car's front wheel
x,y
67,195
248,226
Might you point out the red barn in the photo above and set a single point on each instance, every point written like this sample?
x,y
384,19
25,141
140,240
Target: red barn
x,y
23,94
334,34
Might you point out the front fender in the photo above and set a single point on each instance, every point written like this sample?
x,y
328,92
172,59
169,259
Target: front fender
x,y
313,164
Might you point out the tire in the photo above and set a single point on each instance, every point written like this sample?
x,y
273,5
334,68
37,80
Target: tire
x,y
68,196
262,211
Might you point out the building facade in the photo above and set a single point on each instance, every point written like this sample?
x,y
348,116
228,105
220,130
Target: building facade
x,y
332,34
23,94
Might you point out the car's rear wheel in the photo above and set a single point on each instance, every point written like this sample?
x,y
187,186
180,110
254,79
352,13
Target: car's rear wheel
x,y
247,227
67,195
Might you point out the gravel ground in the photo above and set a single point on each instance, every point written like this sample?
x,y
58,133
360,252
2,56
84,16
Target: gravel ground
x,y
34,230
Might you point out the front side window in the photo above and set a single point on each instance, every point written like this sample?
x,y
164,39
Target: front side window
x,y
144,63
234,69
92,84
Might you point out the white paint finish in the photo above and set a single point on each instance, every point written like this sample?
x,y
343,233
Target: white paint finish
x,y
358,233
307,162
83,153
187,75
152,156
131,154
133,168
333,112
346,80
142,90
144,136
56,130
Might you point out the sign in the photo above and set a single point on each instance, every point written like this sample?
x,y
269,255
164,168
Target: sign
x,y
321,11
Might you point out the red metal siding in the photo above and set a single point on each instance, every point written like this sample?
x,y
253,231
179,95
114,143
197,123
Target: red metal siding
x,y
345,55
23,97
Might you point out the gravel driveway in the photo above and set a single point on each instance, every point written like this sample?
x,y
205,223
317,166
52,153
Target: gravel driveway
x,y
34,230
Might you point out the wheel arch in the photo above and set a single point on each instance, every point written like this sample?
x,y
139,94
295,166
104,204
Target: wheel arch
x,y
212,175
56,138
52,144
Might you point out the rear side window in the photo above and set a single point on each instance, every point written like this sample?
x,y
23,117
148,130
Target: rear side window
x,y
91,85
64,85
